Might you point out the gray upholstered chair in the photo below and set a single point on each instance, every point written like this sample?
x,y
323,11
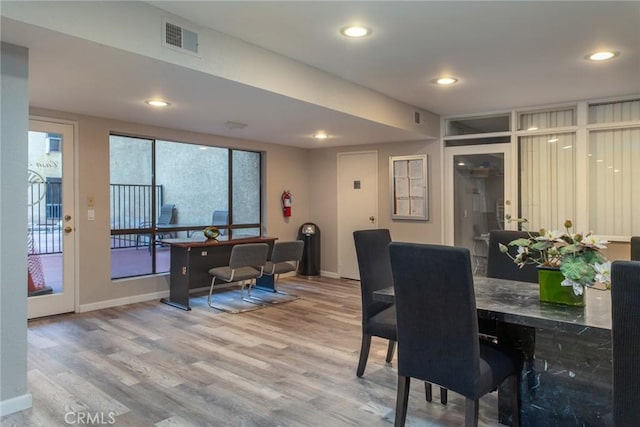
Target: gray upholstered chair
x,y
245,265
284,259
378,318
625,335
438,329
635,248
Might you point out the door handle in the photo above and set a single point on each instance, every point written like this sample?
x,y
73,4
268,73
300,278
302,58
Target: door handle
x,y
67,217
68,229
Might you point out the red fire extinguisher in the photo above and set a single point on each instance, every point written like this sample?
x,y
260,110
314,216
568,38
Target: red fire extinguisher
x,y
286,203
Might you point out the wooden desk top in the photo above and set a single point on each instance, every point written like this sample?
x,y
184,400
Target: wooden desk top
x,y
201,241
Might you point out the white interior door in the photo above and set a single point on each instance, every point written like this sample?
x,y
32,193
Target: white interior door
x,y
51,219
478,182
357,205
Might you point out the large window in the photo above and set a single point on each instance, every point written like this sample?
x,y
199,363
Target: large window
x,y
547,165
164,189
614,174
575,162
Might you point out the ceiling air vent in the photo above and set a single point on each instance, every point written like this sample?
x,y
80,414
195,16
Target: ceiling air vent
x,y
176,36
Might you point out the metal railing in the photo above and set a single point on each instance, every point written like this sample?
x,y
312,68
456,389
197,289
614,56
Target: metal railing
x,y
44,216
131,209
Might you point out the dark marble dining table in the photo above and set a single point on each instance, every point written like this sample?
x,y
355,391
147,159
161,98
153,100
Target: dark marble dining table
x,y
567,374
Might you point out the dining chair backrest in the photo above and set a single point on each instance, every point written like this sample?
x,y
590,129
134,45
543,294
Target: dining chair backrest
x,y
500,266
635,248
625,335
436,315
372,252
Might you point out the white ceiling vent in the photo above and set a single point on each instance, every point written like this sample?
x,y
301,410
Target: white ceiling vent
x,y
178,37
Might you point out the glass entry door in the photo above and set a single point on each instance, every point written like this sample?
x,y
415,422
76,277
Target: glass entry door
x,y
478,185
51,219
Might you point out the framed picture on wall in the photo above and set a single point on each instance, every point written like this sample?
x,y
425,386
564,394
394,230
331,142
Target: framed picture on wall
x,y
408,187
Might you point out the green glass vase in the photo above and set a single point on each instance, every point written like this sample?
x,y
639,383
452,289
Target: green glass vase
x,y
551,289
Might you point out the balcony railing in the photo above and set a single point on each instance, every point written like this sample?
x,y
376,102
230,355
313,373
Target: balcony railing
x,y
44,216
131,209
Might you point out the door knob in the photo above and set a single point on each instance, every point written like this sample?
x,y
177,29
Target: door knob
x,y
68,229
372,218
67,217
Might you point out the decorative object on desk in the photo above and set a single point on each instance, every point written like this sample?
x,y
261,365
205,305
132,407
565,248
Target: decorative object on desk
x,y
578,258
211,232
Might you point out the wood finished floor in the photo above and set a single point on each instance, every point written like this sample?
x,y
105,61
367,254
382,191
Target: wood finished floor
x,y
293,364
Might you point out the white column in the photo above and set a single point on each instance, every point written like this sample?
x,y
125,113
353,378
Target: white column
x,y
14,128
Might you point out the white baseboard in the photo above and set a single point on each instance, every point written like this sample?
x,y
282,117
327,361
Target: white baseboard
x,y
16,404
122,301
330,274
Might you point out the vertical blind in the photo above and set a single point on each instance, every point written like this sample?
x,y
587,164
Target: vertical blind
x,y
614,169
547,180
547,170
614,181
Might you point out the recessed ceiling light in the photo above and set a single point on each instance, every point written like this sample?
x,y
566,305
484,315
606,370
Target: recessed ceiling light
x,y
602,56
445,81
355,31
157,103
320,135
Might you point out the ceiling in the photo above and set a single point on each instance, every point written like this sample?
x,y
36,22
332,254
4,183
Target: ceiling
x,y
505,55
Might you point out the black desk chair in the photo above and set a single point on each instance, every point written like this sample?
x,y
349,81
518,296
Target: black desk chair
x,y
245,265
438,329
625,335
378,318
635,248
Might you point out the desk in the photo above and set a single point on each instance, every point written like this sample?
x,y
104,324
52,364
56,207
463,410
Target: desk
x,y
192,259
567,371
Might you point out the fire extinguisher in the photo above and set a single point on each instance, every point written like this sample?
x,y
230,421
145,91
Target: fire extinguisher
x,y
286,203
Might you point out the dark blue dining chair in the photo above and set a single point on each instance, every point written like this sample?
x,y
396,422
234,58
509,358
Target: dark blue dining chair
x,y
437,329
378,318
635,248
500,266
625,337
